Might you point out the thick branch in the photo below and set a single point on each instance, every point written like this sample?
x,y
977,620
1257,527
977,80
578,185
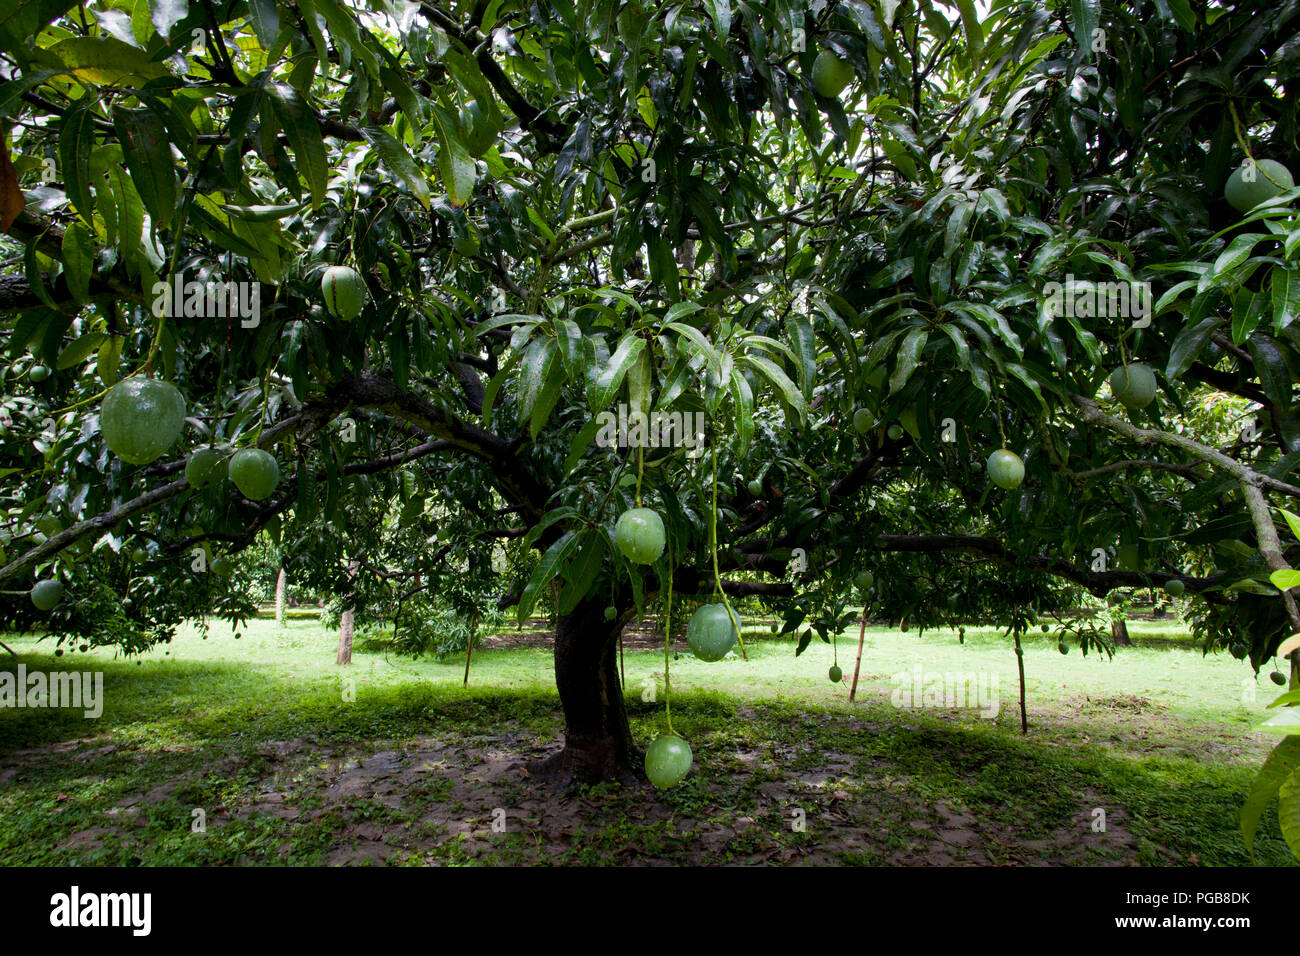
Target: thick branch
x,y
1094,415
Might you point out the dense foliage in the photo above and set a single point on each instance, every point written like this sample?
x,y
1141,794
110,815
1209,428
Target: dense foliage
x,y
557,209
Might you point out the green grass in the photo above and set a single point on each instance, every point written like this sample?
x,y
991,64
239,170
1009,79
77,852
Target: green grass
x,y
257,733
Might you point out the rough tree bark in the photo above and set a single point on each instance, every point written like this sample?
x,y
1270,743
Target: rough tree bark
x,y
597,739
281,583
1119,632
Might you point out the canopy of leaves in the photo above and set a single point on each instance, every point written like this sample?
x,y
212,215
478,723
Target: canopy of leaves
x,y
667,217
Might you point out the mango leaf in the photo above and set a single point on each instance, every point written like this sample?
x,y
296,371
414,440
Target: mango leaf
x,y
1271,366
611,376
744,408
342,26
23,19
1281,764
78,260
266,21
455,164
304,134
800,330
547,568
909,354
581,442
107,359
1288,812
548,396
1287,721
974,32
399,162
1285,579
773,373
76,141
1085,18
79,350
1189,344
149,158
1285,287
582,570
106,61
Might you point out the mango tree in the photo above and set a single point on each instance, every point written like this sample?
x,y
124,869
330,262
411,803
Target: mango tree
x,y
826,287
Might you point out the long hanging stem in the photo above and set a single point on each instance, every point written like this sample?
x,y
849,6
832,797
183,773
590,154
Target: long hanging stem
x,y
997,398
640,469
668,630
713,549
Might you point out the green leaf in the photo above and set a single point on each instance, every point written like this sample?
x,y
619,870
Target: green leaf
x,y
266,21
148,156
1285,579
1288,812
303,131
1085,18
78,260
679,309
1281,764
909,354
582,570
106,61
1285,287
611,376
974,32
547,568
23,19
494,386
399,162
581,442
1287,721
774,374
1188,345
79,350
1271,367
76,141
1293,522
342,26
534,369
455,164
800,330
549,395
744,408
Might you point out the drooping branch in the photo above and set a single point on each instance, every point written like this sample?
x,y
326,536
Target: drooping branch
x,y
1092,414
368,390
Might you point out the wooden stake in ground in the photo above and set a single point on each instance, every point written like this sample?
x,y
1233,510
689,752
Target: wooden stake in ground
x,y
345,627
469,650
1020,663
862,636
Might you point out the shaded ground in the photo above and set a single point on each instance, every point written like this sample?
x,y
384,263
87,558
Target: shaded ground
x,y
291,760
440,800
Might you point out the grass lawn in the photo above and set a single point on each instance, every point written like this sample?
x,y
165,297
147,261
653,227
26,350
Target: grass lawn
x,y
256,739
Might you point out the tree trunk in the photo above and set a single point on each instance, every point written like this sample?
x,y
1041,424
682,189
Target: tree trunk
x,y
597,739
345,627
1119,631
281,584
345,639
